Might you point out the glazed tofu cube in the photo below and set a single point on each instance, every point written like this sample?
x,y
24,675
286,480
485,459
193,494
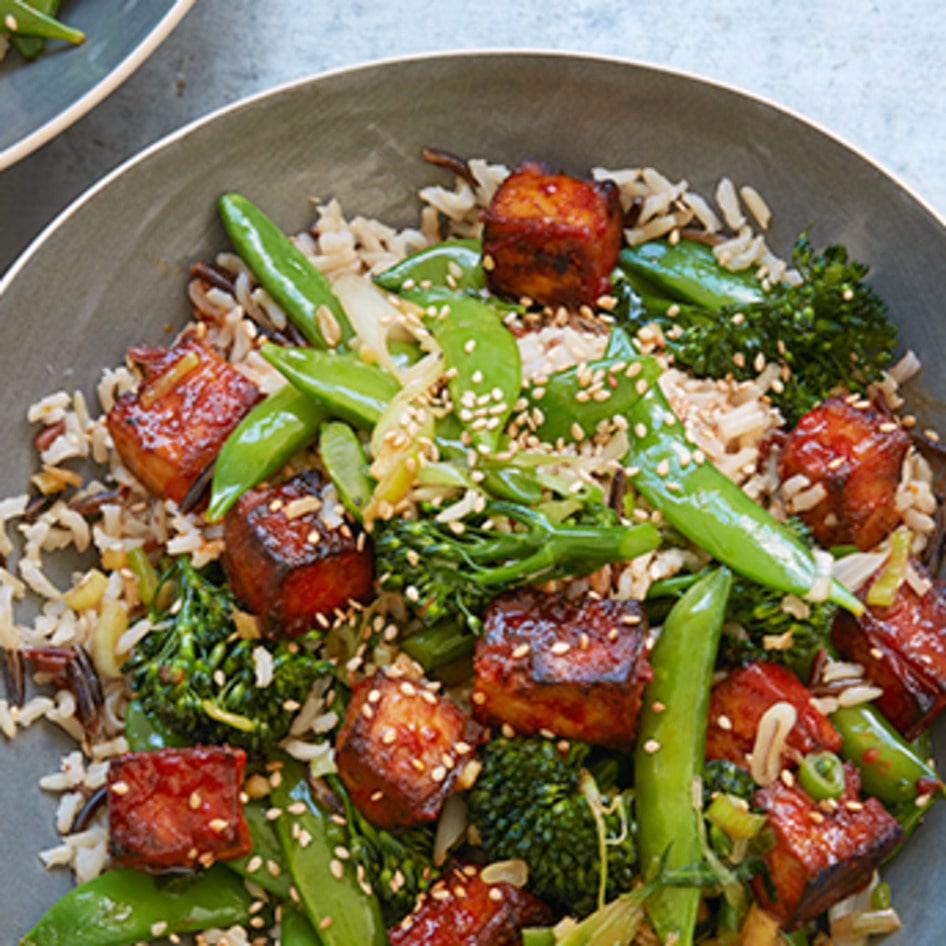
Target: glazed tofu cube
x,y
552,238
573,668
176,808
739,701
852,456
462,909
171,428
822,852
902,649
290,559
403,749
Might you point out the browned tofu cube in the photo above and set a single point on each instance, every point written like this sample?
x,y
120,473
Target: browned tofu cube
x,y
176,808
552,238
573,668
902,649
740,700
462,909
822,852
403,749
855,455
171,428
289,560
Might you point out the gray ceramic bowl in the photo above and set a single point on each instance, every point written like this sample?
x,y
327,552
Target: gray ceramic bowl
x,y
112,270
41,98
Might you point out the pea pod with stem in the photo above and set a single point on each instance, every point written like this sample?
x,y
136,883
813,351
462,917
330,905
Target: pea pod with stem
x,y
272,433
670,747
124,906
20,20
335,901
301,291
453,266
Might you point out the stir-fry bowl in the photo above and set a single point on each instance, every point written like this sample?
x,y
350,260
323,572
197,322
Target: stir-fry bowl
x,y
44,97
113,269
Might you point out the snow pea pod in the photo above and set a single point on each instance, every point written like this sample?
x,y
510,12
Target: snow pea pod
x,y
890,768
347,465
454,265
271,433
689,272
342,383
707,507
300,290
484,371
125,906
266,857
671,742
335,902
31,20
295,928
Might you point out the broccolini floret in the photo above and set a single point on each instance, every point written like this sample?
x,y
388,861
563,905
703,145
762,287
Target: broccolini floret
x,y
456,569
536,800
199,677
829,331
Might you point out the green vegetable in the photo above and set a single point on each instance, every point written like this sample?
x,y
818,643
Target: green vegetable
x,y
567,820
295,928
198,677
144,571
398,867
444,573
890,768
453,266
347,465
821,774
303,293
670,746
21,21
274,431
720,776
831,330
124,906
481,358
689,271
731,814
438,645
336,903
272,874
342,383
146,733
707,507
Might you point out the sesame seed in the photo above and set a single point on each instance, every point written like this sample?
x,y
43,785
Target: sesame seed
x,y
325,922
613,634
724,722
314,537
560,647
418,764
219,825
377,796
787,777
367,711
120,788
815,816
273,869
640,430
469,346
479,698
159,928
273,813
651,746
254,864
336,868
657,706
374,696
521,651
297,808
438,774
408,688
508,731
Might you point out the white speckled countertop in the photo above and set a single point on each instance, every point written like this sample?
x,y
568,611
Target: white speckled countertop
x,y
872,71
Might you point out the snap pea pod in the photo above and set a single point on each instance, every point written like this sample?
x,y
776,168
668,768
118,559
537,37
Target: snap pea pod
x,y
271,433
707,507
890,768
670,746
266,857
301,291
481,358
454,265
347,465
689,272
29,47
335,902
342,383
20,19
295,928
124,906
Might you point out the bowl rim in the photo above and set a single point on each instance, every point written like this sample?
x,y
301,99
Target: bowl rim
x,y
381,63
101,90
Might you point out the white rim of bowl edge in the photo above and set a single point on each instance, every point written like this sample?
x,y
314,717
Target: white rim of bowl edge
x,y
107,85
21,261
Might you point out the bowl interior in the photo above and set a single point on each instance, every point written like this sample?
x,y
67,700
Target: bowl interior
x,y
113,270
